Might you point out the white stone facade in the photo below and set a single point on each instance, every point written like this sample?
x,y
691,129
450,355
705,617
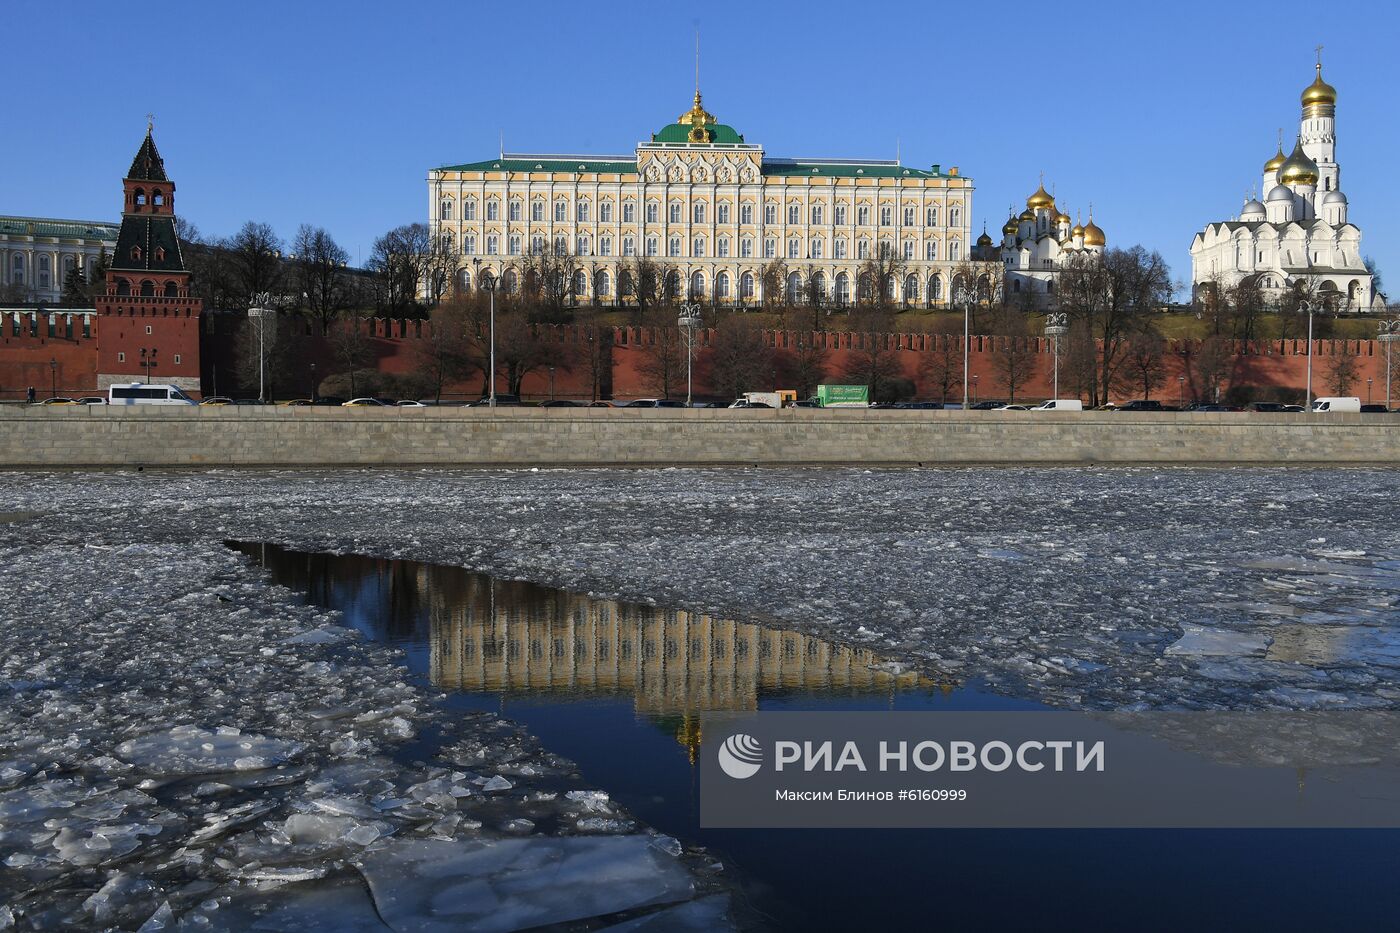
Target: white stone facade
x,y
37,253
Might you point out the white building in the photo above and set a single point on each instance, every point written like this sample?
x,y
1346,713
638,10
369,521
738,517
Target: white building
x,y
711,208
37,253
1300,231
1035,244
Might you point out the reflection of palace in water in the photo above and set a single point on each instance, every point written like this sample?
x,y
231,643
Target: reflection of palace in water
x,y
670,661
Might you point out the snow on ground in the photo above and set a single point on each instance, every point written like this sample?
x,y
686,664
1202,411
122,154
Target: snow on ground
x,y
183,746
175,730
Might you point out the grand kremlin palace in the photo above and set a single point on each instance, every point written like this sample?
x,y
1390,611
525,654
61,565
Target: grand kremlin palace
x,y
713,211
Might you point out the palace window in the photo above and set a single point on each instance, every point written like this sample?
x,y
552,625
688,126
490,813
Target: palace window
x,y
605,246
583,246
697,213
583,212
746,287
818,213
843,289
601,283
653,212
722,286
931,250
468,244
886,215
561,211
908,249
674,247
908,217
770,213
629,212
697,247
561,245
491,245
537,211
629,246
955,216
514,246
469,209
746,248
722,213
863,216
605,212
862,249
840,249
931,217
722,248
445,210
675,212
840,215
794,249
794,214
537,246
651,246
954,250
745,213
43,272
493,210
515,211
817,249
935,288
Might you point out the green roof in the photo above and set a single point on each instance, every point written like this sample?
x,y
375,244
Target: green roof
x,y
680,133
846,169
584,164
63,229
148,165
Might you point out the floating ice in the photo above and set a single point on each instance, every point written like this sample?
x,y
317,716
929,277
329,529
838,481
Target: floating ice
x,y
1202,641
187,750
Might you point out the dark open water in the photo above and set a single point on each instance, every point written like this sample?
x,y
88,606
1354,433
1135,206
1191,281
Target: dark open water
x,y
616,687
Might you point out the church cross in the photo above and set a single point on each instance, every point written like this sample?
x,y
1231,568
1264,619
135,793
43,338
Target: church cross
x,y
150,122
1318,49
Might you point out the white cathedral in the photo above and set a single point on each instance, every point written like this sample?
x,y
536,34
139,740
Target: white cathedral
x,y
1300,230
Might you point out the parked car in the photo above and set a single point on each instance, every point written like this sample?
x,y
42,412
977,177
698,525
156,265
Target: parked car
x,y
806,403
984,406
409,403
217,400
144,393
501,401
1294,408
364,402
559,403
1060,404
920,406
656,403
745,403
1268,407
58,400
601,404
297,402
1365,409
1337,404
1211,407
328,401
91,400
1012,407
1142,404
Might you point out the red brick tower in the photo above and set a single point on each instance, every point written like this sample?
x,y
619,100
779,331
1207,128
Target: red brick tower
x,y
148,324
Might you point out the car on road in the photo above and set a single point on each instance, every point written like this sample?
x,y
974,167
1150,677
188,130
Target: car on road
x,y
409,403
806,403
985,406
91,400
59,400
1012,407
1268,407
147,393
656,403
501,401
745,403
601,404
1294,408
217,400
1211,407
1141,404
363,402
297,402
328,401
1059,404
1337,404
559,403
919,406
1365,409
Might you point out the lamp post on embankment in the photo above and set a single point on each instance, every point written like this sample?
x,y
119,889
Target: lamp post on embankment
x,y
1389,333
688,321
1056,325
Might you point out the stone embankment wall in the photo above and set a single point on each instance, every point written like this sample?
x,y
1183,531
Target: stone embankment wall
x,y
33,437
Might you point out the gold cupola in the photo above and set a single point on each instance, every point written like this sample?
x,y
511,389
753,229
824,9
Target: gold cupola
x,y
1011,226
1041,199
1061,217
1298,169
1028,214
1319,98
1093,234
1276,163
697,117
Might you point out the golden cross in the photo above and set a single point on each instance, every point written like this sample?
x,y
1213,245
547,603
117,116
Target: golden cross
x,y
1319,56
150,122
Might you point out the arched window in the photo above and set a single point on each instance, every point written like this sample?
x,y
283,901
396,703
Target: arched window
x,y
891,288
955,216
794,288
746,287
863,292
818,287
488,281
445,210
140,197
911,289
843,289
68,264
123,287
602,285
580,284
17,269
148,289
671,285
624,284
674,247
932,217
509,281
697,246
561,246
697,286
171,291
1016,286
935,288
464,281
722,286
157,198
469,209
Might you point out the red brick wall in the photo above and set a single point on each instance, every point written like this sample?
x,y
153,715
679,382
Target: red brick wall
x,y
24,360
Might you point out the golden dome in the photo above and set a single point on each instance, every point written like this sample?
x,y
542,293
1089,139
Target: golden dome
x,y
984,239
1319,93
1298,169
1028,214
1078,230
1061,218
1040,199
1276,163
1010,226
1093,236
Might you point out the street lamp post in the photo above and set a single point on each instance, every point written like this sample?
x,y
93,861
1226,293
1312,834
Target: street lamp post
x,y
1181,386
1389,333
53,378
689,320
148,361
1307,306
491,290
965,296
260,313
1056,324
315,386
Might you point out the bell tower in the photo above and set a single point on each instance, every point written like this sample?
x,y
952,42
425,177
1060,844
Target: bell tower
x,y
148,323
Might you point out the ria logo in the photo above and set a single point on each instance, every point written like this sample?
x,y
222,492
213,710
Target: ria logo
x,y
741,756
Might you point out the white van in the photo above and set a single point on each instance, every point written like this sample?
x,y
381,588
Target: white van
x,y
145,393
1060,404
1352,404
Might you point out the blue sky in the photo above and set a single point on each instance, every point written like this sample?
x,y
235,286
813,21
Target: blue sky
x,y
331,114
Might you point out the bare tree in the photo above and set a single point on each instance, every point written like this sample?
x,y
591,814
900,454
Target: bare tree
x,y
881,279
351,347
594,353
1014,360
1145,362
942,367
663,358
1246,305
448,354
805,364
873,362
256,258
773,278
1341,370
639,280
738,358
546,283
1210,365
521,349
320,267
399,265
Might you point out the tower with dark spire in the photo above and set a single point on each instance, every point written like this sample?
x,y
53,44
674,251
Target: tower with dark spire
x,y
149,322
